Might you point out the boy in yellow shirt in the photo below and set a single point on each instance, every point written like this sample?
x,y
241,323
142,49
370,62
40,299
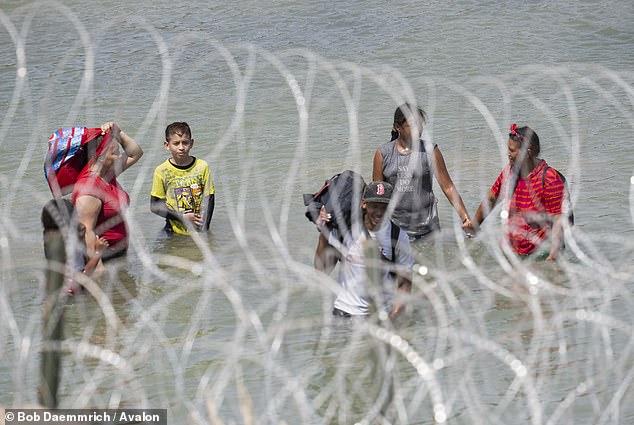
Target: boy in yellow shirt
x,y
182,188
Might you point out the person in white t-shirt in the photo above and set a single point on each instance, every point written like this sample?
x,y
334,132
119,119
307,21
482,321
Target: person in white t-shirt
x,y
357,296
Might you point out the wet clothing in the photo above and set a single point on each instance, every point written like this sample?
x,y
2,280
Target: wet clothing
x,y
355,296
415,208
531,202
183,189
110,223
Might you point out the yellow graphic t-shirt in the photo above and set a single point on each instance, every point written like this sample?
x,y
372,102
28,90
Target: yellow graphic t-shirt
x,y
182,189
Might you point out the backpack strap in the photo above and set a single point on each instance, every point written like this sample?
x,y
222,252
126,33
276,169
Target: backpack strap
x,y
395,231
563,179
394,234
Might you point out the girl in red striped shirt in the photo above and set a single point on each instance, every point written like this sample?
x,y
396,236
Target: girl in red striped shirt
x,y
533,196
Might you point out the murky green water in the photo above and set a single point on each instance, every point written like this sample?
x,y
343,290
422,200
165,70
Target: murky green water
x,y
238,323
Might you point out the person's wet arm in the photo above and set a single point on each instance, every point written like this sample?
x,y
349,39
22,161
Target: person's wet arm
x,y
450,191
131,148
377,167
554,196
88,208
404,262
159,207
556,236
93,261
485,207
404,289
133,151
326,256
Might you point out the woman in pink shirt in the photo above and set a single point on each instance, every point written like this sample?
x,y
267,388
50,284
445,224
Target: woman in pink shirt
x,y
99,200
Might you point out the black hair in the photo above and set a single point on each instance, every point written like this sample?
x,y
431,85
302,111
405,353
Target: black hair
x,y
178,128
401,114
56,214
527,134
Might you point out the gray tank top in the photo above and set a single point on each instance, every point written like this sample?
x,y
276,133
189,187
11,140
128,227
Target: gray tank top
x,y
411,175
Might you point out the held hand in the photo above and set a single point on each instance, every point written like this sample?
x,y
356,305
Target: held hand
x,y
100,245
468,227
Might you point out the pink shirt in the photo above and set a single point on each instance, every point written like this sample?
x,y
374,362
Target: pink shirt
x,y
110,223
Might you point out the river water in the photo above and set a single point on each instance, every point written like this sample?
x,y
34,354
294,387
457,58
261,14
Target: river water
x,y
234,327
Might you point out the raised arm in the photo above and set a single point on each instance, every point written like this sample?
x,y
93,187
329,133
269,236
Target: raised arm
x,y
450,191
133,151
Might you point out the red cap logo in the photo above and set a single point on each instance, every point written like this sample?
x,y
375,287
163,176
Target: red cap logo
x,y
380,189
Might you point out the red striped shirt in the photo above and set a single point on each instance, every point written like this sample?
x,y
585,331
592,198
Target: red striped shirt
x,y
532,205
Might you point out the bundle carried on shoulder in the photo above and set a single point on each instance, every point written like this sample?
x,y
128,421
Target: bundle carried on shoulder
x,y
341,196
69,151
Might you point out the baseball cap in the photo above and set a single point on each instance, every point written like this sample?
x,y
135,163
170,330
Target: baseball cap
x,y
378,192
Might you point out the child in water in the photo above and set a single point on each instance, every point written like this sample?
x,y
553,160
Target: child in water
x,y
182,188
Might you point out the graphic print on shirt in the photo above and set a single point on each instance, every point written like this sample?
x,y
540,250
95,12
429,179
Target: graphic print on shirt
x,y
184,199
188,194
404,175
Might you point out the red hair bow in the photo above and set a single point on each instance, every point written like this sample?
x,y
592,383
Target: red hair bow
x,y
515,134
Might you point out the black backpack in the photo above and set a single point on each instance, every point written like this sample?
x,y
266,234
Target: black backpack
x,y
341,195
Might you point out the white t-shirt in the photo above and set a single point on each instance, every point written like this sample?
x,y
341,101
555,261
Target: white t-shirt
x,y
355,297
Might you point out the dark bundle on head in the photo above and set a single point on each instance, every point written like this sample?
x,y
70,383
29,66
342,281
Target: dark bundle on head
x,y
57,214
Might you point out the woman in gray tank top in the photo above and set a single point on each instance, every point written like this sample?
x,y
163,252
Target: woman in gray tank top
x,y
408,163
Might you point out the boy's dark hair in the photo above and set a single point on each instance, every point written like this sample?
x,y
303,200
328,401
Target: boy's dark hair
x,y
178,128
401,114
56,214
528,135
